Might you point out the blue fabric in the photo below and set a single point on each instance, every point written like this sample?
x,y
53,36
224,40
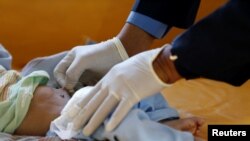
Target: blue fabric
x,y
47,63
138,126
5,58
149,25
157,108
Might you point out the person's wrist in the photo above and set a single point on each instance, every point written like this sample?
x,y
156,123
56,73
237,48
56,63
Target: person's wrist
x,y
134,39
164,66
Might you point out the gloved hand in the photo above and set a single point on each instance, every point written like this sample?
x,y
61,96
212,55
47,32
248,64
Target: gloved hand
x,y
98,58
122,87
67,126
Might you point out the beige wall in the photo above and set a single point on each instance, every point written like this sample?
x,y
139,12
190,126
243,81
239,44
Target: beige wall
x,y
31,28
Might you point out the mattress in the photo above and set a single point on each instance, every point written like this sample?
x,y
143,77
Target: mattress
x,y
216,102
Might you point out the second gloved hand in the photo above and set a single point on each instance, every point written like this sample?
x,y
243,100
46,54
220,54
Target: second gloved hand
x,y
98,58
122,87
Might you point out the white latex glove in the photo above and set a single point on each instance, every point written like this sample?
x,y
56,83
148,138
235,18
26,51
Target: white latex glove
x,y
63,125
122,87
98,58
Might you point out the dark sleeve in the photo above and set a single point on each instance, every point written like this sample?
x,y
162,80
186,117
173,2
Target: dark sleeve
x,y
179,13
217,47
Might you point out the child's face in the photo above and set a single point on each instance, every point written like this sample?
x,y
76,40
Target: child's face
x,y
45,106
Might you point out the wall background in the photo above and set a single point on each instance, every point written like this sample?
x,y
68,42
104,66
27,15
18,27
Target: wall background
x,y
32,28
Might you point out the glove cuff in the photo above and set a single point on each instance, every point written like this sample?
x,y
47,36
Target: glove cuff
x,y
162,83
120,48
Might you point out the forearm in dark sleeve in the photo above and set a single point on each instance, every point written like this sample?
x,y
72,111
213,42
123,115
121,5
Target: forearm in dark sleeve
x,y
218,46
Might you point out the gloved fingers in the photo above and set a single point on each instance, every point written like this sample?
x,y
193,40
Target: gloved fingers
x,y
83,102
90,108
74,73
119,114
100,115
78,121
61,68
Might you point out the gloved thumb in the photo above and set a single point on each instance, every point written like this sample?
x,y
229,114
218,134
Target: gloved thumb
x,y
73,74
61,68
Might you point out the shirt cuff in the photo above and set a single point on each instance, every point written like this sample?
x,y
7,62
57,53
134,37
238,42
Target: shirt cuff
x,y
149,25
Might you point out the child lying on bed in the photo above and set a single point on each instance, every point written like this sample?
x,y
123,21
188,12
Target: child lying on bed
x,y
30,102
28,106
